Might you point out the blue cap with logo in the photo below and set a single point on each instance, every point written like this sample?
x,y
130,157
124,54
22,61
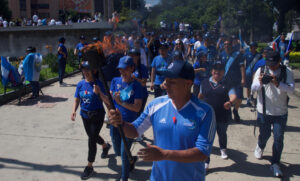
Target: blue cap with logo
x,y
125,62
179,69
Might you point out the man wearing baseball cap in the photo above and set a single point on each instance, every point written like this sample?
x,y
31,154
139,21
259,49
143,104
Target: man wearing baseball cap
x,y
183,128
273,83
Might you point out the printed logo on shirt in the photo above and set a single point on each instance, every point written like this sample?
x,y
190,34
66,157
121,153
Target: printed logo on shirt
x,y
163,121
86,96
191,124
118,86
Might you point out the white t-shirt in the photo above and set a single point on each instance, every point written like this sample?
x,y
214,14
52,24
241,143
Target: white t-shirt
x,y
35,18
5,24
181,27
197,45
276,97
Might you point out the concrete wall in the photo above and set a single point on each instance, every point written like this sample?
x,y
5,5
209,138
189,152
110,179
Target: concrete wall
x,y
14,41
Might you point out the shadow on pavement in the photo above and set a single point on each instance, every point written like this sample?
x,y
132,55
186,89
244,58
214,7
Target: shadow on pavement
x,y
241,165
42,99
136,174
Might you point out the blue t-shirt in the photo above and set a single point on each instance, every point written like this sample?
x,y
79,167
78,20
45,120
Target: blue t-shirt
x,y
259,63
195,126
89,101
64,49
144,75
79,47
248,56
282,48
145,44
160,63
201,75
128,93
233,75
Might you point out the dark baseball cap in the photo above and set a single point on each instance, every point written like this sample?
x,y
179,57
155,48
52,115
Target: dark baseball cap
x,y
134,51
218,65
272,58
82,37
178,69
85,64
164,46
253,44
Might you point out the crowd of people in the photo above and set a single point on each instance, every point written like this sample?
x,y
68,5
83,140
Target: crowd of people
x,y
37,21
198,84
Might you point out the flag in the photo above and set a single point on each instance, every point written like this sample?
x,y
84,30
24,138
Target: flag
x,y
290,42
243,44
274,43
9,73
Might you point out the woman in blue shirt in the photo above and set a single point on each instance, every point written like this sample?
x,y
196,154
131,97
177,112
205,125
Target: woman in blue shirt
x,y
127,97
89,95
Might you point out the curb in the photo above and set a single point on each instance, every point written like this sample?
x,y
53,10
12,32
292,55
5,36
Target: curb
x,y
14,94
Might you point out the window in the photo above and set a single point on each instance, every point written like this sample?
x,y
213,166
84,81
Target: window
x,y
22,5
39,6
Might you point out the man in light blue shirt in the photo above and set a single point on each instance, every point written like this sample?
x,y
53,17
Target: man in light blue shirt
x,y
183,128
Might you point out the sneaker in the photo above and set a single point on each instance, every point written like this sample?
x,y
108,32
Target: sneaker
x,y
87,173
276,170
236,115
206,166
105,151
224,154
258,152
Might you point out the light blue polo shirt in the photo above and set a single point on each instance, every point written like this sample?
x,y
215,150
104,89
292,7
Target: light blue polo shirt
x,y
195,126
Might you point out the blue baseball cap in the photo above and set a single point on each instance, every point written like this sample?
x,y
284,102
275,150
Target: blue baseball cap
x,y
179,69
125,62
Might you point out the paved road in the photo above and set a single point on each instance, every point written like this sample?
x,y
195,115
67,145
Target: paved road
x,y
40,142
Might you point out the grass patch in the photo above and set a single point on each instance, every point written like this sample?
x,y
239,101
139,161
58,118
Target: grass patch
x,y
295,65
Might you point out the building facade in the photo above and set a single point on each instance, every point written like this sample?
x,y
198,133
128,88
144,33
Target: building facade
x,y
52,8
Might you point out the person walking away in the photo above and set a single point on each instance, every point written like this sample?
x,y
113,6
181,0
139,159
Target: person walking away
x,y
62,59
32,67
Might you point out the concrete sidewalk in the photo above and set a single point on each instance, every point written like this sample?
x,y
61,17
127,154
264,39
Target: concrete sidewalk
x,y
40,142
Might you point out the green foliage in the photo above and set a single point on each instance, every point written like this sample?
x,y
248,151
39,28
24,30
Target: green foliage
x,y
294,57
4,10
248,15
51,60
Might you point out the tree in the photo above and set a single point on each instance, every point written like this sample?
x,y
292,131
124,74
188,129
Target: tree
x,y
4,10
281,8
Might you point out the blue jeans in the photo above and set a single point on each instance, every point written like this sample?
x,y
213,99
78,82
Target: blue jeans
x,y
279,124
119,149
61,69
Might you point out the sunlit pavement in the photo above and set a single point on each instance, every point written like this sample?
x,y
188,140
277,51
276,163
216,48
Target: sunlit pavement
x,y
40,142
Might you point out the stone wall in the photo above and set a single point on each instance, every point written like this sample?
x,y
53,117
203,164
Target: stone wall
x,y
15,40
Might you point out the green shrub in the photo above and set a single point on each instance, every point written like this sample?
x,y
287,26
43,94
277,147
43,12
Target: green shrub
x,y
294,57
51,60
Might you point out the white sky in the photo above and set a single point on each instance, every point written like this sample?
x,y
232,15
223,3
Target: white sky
x,y
151,2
